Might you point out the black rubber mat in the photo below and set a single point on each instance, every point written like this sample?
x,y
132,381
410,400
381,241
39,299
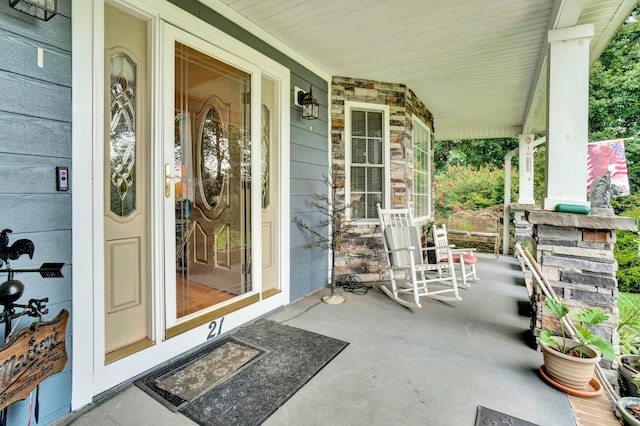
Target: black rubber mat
x,y
488,417
292,357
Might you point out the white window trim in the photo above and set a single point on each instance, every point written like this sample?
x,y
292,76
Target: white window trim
x,y
417,122
348,107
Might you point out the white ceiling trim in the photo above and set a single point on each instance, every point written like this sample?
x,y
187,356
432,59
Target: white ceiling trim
x,y
565,14
479,66
243,22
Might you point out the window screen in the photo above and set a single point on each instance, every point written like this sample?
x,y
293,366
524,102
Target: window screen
x,y
367,163
421,170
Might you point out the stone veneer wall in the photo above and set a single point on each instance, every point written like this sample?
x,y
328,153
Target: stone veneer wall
x,y
522,229
575,254
362,250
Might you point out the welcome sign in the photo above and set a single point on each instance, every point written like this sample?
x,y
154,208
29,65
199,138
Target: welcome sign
x,y
30,356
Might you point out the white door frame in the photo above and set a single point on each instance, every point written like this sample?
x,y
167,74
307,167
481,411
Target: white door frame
x,y
90,376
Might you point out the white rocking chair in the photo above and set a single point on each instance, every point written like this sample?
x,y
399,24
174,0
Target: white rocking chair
x,y
406,256
463,258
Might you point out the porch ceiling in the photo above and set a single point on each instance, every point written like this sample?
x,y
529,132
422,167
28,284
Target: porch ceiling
x,y
479,66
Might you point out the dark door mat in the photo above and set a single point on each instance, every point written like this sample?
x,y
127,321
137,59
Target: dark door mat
x,y
180,382
293,356
488,417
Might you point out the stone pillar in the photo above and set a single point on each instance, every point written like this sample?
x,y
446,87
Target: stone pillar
x,y
522,229
525,190
567,116
575,254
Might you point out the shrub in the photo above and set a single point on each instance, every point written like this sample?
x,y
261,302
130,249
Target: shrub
x,y
461,187
626,247
629,323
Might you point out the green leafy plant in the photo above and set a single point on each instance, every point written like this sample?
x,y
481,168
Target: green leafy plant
x,y
584,318
629,324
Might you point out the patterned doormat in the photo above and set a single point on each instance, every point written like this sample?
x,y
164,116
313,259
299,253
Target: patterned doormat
x,y
488,417
179,383
289,357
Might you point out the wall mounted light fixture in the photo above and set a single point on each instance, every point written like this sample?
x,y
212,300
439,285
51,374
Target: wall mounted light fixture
x,y
309,104
41,9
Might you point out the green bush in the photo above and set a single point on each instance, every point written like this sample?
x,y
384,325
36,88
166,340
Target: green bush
x,y
629,324
461,187
626,248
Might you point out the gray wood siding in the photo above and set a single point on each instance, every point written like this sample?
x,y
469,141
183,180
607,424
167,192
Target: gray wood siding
x,y
309,152
35,129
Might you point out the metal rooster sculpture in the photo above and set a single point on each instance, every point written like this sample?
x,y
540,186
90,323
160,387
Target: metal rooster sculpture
x,y
15,250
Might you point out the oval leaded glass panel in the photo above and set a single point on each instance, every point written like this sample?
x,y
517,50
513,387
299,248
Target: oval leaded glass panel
x,y
214,154
122,136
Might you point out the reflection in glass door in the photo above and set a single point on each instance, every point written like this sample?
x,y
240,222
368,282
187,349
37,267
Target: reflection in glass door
x,y
212,189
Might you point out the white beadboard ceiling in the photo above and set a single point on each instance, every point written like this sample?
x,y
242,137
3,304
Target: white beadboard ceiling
x,y
478,65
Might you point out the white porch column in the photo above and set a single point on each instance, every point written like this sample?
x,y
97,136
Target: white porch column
x,y
525,191
567,116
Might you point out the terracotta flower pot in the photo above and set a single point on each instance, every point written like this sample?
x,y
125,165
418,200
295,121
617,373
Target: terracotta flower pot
x,y
571,371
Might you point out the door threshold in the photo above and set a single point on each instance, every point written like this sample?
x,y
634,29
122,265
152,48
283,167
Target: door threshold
x,y
125,351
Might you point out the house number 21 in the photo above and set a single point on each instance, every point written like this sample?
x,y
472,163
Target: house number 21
x,y
215,328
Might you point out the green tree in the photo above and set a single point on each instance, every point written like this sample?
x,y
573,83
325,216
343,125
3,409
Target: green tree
x,y
614,112
614,94
477,152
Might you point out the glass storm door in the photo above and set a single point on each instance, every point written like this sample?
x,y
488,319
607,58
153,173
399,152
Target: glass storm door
x,y
126,181
208,180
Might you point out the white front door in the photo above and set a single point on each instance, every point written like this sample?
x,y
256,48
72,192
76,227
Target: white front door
x,y
173,160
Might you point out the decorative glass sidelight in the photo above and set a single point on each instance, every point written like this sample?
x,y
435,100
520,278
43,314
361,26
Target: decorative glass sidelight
x,y
265,147
122,136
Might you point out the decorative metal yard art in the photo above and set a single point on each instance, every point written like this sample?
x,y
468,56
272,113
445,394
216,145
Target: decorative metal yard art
x,y
35,352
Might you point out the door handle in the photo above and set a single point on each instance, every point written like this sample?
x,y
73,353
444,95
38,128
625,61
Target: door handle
x,y
167,180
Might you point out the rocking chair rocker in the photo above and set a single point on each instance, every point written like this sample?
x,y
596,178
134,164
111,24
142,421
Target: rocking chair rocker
x,y
463,258
407,258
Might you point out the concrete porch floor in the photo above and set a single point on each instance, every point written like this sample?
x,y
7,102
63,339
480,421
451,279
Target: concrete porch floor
x,y
429,366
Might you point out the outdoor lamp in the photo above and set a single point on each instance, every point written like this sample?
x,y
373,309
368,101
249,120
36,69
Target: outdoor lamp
x,y
41,9
310,106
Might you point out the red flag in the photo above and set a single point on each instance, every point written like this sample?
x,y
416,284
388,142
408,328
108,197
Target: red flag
x,y
608,156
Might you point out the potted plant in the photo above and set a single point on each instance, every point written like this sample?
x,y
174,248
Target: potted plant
x,y
570,360
629,406
629,409
629,374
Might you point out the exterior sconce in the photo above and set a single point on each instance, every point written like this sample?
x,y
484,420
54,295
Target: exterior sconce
x,y
41,9
309,104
